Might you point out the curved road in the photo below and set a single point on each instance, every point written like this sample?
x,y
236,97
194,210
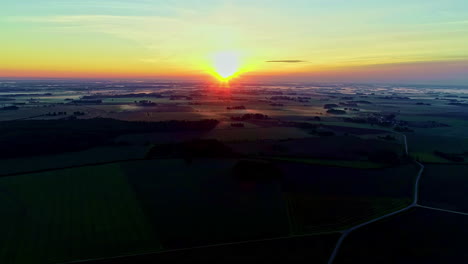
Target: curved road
x,y
413,204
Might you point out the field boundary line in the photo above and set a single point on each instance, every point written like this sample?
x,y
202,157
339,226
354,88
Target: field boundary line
x,y
201,247
71,167
441,210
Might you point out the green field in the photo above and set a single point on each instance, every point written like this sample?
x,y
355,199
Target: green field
x,y
458,125
313,249
445,186
203,203
314,214
422,147
68,159
71,214
415,236
346,151
133,207
323,199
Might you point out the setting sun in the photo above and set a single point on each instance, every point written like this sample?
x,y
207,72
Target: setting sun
x,y
226,64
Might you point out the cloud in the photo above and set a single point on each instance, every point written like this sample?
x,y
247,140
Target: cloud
x,y
287,61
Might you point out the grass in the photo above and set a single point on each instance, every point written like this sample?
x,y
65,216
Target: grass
x,y
422,146
151,205
321,150
313,214
314,249
68,159
392,182
444,186
324,199
415,236
202,203
71,214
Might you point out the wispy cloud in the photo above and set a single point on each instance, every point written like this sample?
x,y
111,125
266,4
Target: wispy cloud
x,y
287,61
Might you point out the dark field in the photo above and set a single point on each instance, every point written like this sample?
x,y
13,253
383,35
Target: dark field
x,y
333,199
71,214
417,236
202,203
169,172
176,204
315,249
445,186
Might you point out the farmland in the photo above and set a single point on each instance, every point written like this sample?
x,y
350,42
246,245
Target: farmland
x,y
220,208
444,186
416,236
156,197
71,214
97,170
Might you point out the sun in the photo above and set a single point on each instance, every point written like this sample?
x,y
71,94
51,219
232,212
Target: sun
x,y
226,65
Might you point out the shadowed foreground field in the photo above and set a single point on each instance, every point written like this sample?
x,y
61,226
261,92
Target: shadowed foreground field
x,y
153,205
416,236
445,186
71,214
312,249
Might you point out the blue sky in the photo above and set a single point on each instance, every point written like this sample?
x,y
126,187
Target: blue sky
x,y
176,38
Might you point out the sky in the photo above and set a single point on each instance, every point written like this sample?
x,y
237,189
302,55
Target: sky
x,y
412,41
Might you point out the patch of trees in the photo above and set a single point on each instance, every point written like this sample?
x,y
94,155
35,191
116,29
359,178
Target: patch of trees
x,y
402,129
237,125
129,95
145,103
180,97
250,117
240,107
302,125
42,137
276,104
286,98
336,112
450,156
358,120
380,120
330,106
78,113
421,103
360,102
395,98
348,104
388,138
87,101
56,113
